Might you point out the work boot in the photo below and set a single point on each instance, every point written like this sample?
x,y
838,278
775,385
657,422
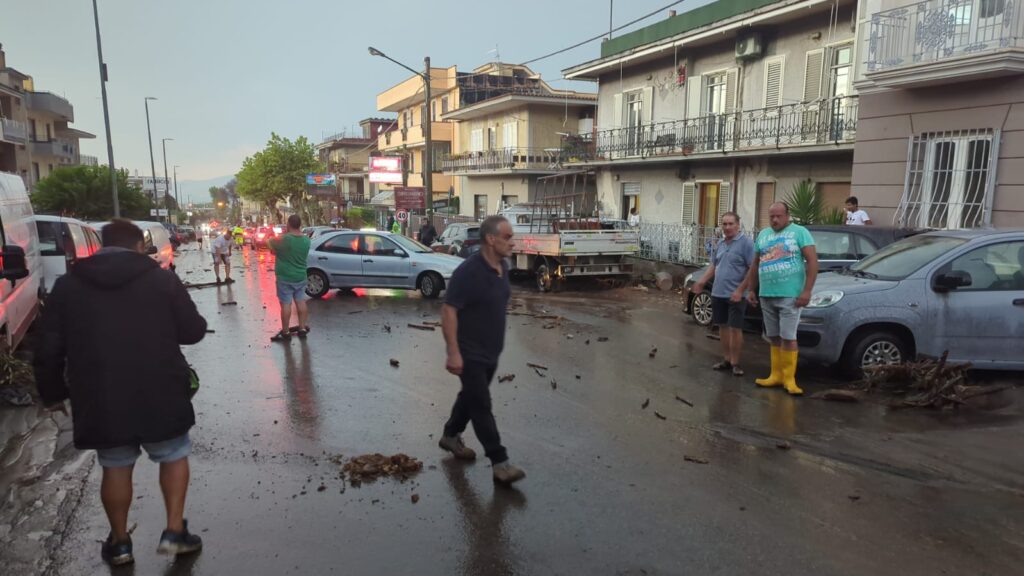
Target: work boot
x,y
789,372
179,542
506,473
117,553
458,449
775,379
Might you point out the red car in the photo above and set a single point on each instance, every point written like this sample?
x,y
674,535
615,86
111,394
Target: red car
x,y
262,236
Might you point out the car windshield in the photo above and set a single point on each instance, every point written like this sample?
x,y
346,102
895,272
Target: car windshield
x,y
901,259
410,244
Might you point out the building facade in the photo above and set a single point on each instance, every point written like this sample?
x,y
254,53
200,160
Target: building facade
x,y
723,108
502,144
348,157
941,128
36,136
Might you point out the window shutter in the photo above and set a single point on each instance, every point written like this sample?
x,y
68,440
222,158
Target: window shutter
x,y
695,89
813,74
731,81
773,70
724,199
647,105
689,202
476,140
617,111
630,188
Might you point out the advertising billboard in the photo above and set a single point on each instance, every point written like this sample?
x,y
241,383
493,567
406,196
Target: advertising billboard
x,y
386,169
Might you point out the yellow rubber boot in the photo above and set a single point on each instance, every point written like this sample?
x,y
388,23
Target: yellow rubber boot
x,y
789,372
776,378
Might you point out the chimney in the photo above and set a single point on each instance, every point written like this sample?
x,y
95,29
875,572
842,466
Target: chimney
x,y
671,13
3,58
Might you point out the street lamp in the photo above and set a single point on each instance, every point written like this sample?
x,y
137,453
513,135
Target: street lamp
x,y
428,152
152,163
167,181
106,111
176,199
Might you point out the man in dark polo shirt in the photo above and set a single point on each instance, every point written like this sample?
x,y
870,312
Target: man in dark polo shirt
x,y
473,321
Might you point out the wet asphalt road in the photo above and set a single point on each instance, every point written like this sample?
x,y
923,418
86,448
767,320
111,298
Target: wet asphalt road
x,y
860,490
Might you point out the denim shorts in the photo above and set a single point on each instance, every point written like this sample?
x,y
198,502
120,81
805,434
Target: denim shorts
x,y
160,452
781,317
291,291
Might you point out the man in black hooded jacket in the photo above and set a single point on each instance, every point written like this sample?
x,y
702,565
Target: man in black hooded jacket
x,y
110,341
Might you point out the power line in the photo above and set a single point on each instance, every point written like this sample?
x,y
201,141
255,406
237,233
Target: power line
x,y
601,35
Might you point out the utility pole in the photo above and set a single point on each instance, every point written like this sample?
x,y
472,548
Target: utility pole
x,y
167,180
428,151
152,163
176,198
611,12
106,112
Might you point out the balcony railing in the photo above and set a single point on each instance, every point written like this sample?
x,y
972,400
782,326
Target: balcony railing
x,y
828,121
56,147
86,160
502,159
12,130
940,29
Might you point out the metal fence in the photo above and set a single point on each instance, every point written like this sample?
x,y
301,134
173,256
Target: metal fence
x,y
502,159
677,244
830,120
934,30
13,130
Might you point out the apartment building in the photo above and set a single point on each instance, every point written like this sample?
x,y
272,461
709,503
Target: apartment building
x,y
36,136
725,107
503,143
347,156
941,127
407,100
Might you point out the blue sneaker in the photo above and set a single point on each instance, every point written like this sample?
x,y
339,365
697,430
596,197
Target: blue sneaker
x,y
179,542
117,553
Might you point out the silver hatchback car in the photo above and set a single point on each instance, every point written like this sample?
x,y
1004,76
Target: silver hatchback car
x,y
960,291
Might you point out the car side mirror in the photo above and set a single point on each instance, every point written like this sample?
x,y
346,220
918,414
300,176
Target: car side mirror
x,y
12,263
952,281
401,253
151,250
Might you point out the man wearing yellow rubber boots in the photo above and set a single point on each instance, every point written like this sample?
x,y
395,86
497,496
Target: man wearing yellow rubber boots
x,y
783,273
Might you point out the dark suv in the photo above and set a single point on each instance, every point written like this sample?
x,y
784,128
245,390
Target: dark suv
x,y
837,247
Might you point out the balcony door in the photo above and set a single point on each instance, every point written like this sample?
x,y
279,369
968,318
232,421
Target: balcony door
x,y
975,23
634,122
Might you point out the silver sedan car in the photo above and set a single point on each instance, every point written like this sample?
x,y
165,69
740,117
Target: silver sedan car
x,y
354,259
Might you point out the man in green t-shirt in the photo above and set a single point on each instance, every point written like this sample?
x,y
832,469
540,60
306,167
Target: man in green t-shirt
x,y
783,273
291,250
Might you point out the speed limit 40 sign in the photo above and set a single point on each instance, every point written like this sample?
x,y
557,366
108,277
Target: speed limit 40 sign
x,y
402,215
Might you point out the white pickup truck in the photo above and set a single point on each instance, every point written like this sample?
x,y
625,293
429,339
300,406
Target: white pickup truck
x,y
554,248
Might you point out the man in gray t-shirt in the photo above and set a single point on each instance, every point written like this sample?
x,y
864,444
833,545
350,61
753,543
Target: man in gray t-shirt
x,y
729,265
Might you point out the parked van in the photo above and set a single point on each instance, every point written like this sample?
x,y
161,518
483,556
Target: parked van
x,y
157,241
62,242
20,264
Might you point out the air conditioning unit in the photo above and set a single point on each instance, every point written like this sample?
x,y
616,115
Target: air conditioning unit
x,y
749,46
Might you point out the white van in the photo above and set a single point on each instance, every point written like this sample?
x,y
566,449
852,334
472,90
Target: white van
x,y
156,238
20,264
62,242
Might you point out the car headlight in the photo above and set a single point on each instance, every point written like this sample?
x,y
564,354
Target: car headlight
x,y
825,298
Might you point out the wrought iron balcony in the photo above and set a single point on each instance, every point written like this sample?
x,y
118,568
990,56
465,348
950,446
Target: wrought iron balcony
x,y
505,159
941,30
13,131
828,121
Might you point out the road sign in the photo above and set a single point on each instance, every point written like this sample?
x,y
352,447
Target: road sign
x,y
402,215
413,198
160,212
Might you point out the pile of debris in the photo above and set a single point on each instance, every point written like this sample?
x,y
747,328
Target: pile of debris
x,y
928,383
372,466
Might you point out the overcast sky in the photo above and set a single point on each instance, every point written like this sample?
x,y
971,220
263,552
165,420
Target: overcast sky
x,y
228,72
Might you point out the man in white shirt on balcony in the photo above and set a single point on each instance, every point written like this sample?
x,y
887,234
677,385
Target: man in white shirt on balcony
x,y
634,218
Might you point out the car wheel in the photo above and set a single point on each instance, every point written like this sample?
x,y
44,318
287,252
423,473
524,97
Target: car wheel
x,y
877,348
544,280
430,285
317,284
700,307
